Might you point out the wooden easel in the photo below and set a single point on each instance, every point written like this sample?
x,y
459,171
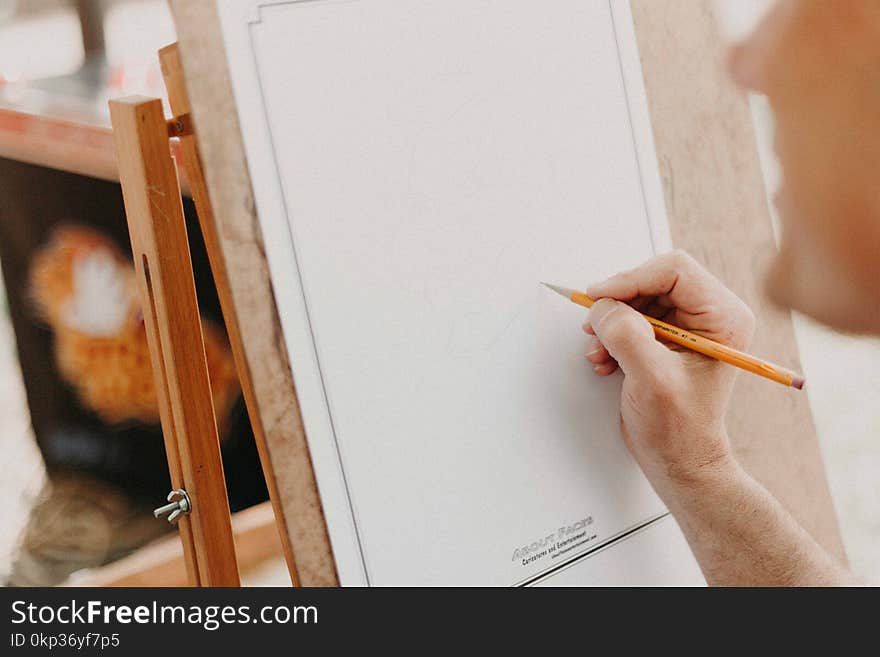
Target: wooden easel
x,y
702,131
154,210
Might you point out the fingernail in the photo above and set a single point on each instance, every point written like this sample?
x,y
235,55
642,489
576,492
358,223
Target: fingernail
x,y
593,347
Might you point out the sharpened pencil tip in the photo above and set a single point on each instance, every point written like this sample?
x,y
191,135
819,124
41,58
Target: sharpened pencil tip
x,y
562,291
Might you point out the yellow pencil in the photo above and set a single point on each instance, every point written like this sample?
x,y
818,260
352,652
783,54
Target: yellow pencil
x,y
702,345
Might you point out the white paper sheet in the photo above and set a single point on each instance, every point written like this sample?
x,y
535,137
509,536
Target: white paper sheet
x,y
418,168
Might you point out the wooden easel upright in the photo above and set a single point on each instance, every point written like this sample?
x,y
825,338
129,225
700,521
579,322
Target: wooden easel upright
x,y
154,210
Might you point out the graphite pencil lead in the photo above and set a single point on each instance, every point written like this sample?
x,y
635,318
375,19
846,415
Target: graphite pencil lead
x,y
563,291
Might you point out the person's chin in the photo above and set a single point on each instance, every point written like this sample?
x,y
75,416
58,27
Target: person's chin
x,y
803,285
780,283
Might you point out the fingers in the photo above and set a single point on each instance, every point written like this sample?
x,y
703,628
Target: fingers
x,y
596,352
676,276
627,338
597,355
675,288
658,307
605,369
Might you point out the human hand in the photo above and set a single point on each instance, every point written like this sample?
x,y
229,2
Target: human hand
x,y
674,400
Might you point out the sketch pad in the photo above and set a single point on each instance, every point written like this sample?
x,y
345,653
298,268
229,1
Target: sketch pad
x,y
418,168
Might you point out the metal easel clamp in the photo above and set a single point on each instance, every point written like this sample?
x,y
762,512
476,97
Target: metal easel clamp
x,y
178,505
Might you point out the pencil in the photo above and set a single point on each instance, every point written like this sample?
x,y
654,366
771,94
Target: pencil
x,y
702,345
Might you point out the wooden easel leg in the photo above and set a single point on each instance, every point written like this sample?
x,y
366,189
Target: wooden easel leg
x,y
172,71
162,260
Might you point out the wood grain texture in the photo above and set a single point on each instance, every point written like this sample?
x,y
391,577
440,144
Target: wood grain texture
x,y
47,141
160,247
63,144
178,97
718,211
717,207
241,247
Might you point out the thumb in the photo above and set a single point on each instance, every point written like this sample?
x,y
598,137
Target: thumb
x,y
627,336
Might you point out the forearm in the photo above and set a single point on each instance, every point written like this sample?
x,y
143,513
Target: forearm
x,y
742,536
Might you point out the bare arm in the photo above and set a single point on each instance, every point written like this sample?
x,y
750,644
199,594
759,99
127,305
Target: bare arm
x,y
672,416
742,536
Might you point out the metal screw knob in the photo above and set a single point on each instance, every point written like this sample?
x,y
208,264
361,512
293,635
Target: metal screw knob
x,y
178,505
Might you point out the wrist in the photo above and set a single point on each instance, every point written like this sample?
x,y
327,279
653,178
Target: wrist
x,y
707,470
699,466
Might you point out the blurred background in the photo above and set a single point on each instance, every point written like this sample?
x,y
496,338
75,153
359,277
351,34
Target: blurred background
x,y
78,413
85,464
